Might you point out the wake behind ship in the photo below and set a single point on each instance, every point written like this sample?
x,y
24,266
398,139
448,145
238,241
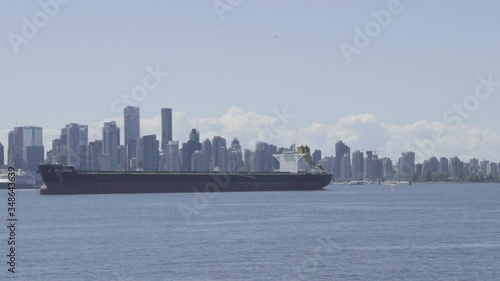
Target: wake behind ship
x,y
296,173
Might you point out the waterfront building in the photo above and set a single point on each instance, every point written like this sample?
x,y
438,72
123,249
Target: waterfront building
x,y
76,146
132,132
188,148
218,143
368,165
316,156
340,150
110,143
207,150
2,160
358,170
166,127
345,168
95,155
456,167
148,153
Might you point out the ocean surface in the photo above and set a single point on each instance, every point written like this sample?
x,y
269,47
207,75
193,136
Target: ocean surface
x,y
418,232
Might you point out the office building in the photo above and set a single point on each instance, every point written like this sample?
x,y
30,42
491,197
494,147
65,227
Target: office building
x,y
166,127
110,143
132,132
340,150
358,170
148,153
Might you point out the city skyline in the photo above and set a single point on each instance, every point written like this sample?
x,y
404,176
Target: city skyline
x,y
362,128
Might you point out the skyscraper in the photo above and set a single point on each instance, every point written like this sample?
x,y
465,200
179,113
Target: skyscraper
x,y
345,167
316,156
132,132
357,165
206,149
95,155
218,143
166,127
456,167
197,161
148,153
110,138
21,139
368,165
340,150
189,148
406,165
10,148
77,146
262,157
2,160
387,170
172,155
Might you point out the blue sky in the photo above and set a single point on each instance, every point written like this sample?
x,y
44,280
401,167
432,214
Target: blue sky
x,y
261,56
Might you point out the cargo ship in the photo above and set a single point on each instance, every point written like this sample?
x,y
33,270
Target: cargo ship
x,y
296,173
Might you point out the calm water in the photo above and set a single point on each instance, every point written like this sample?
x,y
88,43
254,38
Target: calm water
x,y
419,232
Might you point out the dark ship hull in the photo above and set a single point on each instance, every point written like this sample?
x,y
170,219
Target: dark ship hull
x,y
66,180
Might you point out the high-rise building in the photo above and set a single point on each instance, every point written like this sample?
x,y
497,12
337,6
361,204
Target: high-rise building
x,y
406,165
197,161
110,143
432,165
327,162
377,167
492,169
2,160
218,143
275,163
443,165
172,157
262,157
340,150
132,127
474,168
358,170
483,167
34,156
95,155
316,156
387,170
188,148
76,146
206,150
235,157
10,149
223,160
456,167
345,167
166,127
19,140
122,163
148,153
249,160
368,165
